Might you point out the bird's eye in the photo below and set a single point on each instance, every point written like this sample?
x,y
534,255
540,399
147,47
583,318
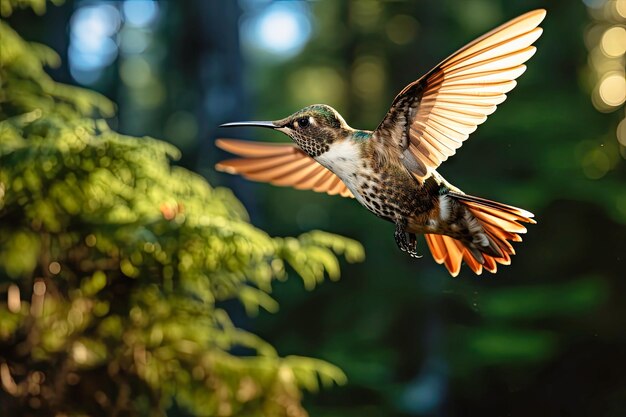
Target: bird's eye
x,y
303,122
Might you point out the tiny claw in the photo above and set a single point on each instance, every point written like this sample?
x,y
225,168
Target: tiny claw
x,y
412,244
406,241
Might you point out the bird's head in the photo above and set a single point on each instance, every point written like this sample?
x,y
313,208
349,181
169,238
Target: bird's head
x,y
313,128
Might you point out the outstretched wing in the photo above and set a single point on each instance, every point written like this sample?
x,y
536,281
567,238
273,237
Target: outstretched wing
x,y
280,164
432,116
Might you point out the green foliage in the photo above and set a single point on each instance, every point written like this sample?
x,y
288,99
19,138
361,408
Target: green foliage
x,y
115,267
26,86
38,6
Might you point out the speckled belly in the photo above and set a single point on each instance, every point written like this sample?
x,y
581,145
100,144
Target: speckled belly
x,y
393,195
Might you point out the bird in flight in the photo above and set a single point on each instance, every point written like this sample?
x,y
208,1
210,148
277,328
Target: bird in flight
x,y
391,171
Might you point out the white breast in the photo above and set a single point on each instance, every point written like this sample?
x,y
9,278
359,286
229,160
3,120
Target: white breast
x,y
343,158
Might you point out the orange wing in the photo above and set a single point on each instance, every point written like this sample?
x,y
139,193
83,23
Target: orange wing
x,y
440,110
281,164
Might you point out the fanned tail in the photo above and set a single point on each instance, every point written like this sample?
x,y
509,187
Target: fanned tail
x,y
499,222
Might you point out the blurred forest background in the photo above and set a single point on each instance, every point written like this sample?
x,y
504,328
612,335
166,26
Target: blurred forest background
x,y
543,337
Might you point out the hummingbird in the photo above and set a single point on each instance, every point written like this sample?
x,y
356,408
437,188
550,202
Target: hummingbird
x,y
392,170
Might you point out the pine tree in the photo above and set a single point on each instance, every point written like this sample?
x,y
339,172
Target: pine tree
x,y
115,263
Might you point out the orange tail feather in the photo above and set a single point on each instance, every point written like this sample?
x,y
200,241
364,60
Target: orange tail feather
x,y
500,222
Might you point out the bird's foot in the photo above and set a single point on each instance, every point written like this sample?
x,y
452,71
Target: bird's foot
x,y
406,241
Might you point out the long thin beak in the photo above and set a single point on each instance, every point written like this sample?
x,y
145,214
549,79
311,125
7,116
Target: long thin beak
x,y
271,125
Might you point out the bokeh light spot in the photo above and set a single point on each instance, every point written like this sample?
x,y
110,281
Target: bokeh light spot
x,y
596,164
90,240
365,13
368,77
614,41
283,28
620,7
621,132
135,72
39,288
54,268
80,352
140,13
91,24
478,15
317,85
91,41
14,303
401,29
151,95
134,41
613,89
278,30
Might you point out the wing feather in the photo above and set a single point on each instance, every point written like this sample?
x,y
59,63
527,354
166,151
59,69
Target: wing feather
x,y
487,75
513,28
252,149
440,110
280,164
